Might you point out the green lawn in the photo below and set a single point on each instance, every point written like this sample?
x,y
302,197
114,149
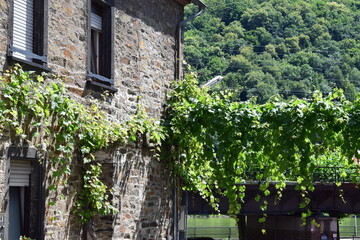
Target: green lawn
x,y
349,221
212,226
211,221
347,227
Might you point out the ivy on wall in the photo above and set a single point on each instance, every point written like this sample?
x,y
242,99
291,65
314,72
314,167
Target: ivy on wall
x,y
222,144
35,110
214,142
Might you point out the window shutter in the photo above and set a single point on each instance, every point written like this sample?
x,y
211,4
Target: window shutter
x,y
23,27
96,22
20,171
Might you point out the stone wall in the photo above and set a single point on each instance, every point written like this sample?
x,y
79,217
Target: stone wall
x,y
144,49
67,54
144,62
4,10
144,59
142,193
4,143
67,40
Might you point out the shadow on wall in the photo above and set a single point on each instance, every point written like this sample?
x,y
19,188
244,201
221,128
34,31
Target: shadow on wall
x,y
73,227
162,15
156,210
143,195
141,190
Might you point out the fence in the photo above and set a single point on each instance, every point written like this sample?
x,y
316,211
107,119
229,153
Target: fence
x,y
350,230
350,238
320,174
214,232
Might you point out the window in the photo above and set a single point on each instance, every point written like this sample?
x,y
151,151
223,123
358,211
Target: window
x,y
101,45
19,195
25,209
28,38
97,54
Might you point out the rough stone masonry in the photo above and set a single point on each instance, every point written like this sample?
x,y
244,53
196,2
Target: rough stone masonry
x,y
144,66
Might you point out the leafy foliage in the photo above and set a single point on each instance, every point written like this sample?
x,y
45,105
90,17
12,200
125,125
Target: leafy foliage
x,y
35,111
285,47
221,141
24,238
214,141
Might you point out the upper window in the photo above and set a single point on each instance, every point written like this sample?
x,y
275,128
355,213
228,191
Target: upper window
x,y
101,44
28,32
97,50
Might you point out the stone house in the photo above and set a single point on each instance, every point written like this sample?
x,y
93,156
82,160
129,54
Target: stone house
x,y
129,48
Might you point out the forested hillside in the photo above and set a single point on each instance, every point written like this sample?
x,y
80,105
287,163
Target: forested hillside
x,y
287,47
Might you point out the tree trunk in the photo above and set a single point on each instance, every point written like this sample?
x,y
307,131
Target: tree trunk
x,y
89,231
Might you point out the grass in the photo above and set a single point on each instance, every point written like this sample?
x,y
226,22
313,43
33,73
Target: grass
x,y
349,221
218,226
347,226
212,226
211,221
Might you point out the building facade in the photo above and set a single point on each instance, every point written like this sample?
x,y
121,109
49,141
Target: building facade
x,y
126,47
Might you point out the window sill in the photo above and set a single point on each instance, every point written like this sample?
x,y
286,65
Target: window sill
x,y
29,66
96,86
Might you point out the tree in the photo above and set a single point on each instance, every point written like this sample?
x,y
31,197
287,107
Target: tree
x,y
306,40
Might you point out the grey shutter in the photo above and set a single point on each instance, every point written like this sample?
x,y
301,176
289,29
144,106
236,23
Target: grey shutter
x,y
20,171
23,28
96,22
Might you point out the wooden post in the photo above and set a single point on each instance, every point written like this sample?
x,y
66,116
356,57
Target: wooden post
x,y
241,223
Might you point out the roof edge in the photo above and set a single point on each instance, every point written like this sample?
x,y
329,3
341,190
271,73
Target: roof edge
x,y
183,2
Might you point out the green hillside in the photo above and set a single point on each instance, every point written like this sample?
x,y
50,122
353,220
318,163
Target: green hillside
x,y
286,47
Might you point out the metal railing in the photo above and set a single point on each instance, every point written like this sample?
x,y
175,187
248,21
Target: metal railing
x,y
214,232
347,232
350,232
320,174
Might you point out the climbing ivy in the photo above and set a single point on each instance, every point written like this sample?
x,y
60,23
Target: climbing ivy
x,y
215,144
36,111
222,144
